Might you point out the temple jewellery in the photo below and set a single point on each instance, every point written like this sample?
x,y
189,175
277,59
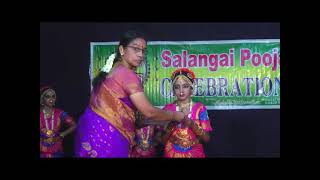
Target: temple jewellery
x,y
144,138
49,131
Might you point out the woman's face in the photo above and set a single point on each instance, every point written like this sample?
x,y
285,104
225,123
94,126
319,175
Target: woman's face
x,y
182,89
49,98
134,53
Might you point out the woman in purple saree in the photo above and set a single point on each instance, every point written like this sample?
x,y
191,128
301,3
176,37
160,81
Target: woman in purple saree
x,y
107,127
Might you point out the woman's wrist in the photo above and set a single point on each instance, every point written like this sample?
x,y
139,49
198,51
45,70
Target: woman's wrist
x,y
181,118
174,116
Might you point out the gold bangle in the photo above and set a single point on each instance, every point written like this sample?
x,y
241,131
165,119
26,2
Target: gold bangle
x,y
202,132
199,131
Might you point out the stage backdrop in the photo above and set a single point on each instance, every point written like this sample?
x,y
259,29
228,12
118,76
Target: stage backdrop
x,y
233,74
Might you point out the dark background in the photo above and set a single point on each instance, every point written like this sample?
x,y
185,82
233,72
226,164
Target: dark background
x,y
65,60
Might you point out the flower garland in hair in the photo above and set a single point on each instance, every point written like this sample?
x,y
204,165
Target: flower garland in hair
x,y
107,67
190,73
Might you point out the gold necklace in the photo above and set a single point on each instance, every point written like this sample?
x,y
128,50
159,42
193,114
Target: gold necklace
x,y
49,131
178,108
144,139
184,105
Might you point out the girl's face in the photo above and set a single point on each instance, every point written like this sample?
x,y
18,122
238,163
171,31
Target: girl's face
x,y
134,53
49,98
182,89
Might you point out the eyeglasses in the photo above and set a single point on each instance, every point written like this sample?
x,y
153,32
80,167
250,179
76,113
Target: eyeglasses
x,y
137,50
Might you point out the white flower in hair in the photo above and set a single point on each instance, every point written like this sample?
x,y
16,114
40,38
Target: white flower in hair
x,y
107,67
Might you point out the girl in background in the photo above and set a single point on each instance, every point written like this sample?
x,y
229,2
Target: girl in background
x,y
51,122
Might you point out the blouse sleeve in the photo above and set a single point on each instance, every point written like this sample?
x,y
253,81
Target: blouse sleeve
x,y
204,119
131,83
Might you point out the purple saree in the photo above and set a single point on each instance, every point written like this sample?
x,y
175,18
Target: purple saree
x,y
107,127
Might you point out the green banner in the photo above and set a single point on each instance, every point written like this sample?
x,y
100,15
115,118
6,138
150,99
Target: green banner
x,y
232,74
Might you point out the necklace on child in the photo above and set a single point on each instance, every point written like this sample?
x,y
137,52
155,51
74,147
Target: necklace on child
x,y
180,107
144,138
49,131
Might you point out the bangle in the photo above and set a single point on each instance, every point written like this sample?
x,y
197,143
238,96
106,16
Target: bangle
x,y
201,132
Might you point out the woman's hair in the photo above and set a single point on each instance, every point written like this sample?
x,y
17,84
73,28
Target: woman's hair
x,y
125,40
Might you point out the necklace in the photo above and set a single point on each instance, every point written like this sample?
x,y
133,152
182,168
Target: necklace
x,y
144,138
183,106
49,131
178,108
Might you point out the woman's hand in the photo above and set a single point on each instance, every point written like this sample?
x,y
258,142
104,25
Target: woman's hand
x,y
185,111
188,122
178,116
140,120
170,126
